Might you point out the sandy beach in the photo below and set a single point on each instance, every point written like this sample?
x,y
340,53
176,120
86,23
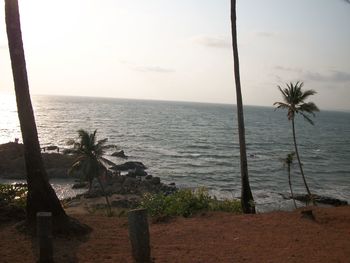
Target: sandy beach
x,y
210,237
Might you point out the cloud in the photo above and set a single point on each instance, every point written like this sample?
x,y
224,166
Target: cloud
x,y
331,76
3,46
212,41
282,68
156,69
334,76
145,68
265,34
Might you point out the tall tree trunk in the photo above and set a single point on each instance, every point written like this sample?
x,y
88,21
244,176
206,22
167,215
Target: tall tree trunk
x,y
41,196
246,194
290,186
300,165
109,209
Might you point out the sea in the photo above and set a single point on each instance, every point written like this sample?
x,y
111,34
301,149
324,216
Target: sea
x,y
196,144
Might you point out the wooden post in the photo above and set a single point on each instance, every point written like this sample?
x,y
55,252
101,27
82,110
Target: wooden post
x,y
44,232
139,235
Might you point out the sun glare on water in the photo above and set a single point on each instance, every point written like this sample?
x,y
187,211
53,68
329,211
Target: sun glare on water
x,y
9,124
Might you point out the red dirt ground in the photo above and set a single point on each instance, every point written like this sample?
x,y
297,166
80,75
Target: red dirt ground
x,y
213,237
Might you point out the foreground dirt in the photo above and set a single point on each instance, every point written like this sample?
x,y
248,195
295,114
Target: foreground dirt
x,y
213,237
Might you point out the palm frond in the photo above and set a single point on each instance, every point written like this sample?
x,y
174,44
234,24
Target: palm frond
x,y
84,139
281,105
307,118
283,91
294,98
308,107
106,161
306,94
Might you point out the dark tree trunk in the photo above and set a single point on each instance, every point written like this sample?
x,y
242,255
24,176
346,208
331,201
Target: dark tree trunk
x,y
246,195
299,162
109,209
41,196
290,186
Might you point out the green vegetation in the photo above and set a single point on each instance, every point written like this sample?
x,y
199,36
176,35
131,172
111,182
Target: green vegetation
x,y
90,162
294,102
13,194
186,202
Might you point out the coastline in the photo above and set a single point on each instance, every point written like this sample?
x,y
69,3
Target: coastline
x,y
58,164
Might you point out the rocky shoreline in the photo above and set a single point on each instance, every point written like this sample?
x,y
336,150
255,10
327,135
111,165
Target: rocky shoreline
x,y
125,190
126,179
12,162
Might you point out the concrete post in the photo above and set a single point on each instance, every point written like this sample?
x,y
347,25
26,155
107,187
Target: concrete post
x,y
44,233
139,235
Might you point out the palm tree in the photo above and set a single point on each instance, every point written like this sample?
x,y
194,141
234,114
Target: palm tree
x,y
41,196
289,161
90,159
294,102
247,200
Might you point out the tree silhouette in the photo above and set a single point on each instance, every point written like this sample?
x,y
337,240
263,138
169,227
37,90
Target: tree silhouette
x,y
41,197
247,200
294,102
90,160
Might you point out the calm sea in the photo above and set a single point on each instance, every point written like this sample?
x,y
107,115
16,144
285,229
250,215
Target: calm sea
x,y
196,144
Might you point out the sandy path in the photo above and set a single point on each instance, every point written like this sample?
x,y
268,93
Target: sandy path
x,y
213,237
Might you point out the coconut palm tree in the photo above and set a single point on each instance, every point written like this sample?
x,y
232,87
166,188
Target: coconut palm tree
x,y
41,196
247,200
294,102
288,161
90,161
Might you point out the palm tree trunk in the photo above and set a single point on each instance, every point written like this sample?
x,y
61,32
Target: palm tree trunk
x,y
300,165
247,200
41,196
109,211
290,187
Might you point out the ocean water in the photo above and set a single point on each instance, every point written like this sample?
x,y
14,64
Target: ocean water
x,y
196,144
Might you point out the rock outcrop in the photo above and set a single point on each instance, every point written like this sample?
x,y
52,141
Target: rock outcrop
x,y
325,200
124,185
12,162
129,166
120,154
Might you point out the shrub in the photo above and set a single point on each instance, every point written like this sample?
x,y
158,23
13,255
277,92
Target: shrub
x,y
13,194
186,202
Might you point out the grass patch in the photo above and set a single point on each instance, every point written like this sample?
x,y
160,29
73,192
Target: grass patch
x,y
186,202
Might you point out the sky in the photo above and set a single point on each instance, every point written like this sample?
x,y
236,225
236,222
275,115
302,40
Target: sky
x,y
181,49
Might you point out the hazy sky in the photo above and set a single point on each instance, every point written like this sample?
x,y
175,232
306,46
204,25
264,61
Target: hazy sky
x,y
181,49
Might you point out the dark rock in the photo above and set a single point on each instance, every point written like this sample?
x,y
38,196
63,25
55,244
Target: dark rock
x,y
130,182
51,148
172,184
12,162
129,166
167,190
120,154
93,194
148,187
131,174
80,185
155,180
148,177
138,172
321,200
125,203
